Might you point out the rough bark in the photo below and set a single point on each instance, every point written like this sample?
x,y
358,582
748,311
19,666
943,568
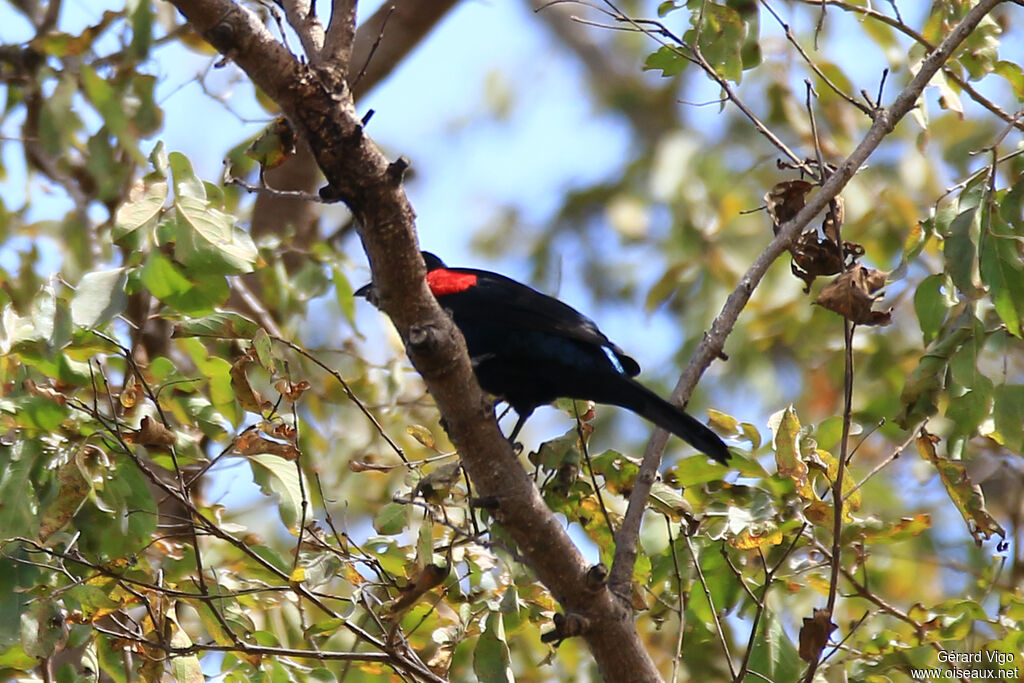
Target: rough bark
x,y
381,42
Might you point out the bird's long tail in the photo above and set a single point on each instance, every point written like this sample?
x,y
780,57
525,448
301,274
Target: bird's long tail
x,y
632,395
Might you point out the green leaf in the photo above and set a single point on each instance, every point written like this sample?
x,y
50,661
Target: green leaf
x,y
159,160
147,116
42,628
1013,74
218,373
19,505
669,60
145,201
184,668
883,35
60,44
197,296
921,389
99,297
774,657
838,78
974,193
125,503
218,326
668,501
491,660
932,304
346,301
94,600
59,123
38,413
961,252
1002,273
719,33
970,409
1007,408
207,239
142,31
108,103
980,51
186,184
264,347
749,13
15,578
667,7
279,477
391,519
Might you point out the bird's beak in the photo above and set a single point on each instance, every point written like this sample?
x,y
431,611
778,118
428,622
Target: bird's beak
x,y
367,292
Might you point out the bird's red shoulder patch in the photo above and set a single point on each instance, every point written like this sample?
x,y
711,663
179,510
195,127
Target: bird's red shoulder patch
x,y
443,281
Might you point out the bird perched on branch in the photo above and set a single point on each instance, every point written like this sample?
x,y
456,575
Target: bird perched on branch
x,y
528,349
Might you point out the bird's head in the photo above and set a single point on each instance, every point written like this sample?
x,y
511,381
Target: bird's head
x,y
369,292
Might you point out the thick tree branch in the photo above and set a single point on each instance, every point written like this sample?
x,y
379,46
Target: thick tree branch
x,y
301,16
384,40
319,104
381,42
885,120
340,34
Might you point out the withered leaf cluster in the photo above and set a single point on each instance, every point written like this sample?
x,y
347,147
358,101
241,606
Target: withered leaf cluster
x,y
824,253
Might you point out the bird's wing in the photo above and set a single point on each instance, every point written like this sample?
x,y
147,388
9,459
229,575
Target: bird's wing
x,y
522,306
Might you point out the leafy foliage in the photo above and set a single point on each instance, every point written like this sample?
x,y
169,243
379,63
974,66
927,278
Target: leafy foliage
x,y
168,354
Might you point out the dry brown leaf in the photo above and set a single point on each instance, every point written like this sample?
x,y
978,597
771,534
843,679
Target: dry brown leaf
x,y
852,294
814,634
430,577
253,443
785,200
292,390
249,398
150,433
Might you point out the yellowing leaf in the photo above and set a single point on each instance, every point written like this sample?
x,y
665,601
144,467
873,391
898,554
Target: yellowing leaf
x,y
785,437
757,536
967,497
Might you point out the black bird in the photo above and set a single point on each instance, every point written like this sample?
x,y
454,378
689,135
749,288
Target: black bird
x,y
528,349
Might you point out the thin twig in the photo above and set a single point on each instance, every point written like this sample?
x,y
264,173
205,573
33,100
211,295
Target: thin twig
x,y
711,603
590,470
903,28
229,179
348,392
812,64
912,434
677,655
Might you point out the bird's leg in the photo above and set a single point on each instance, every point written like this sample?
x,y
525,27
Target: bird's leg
x,y
517,447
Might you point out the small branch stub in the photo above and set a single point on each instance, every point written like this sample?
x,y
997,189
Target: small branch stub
x,y
423,338
397,168
597,578
566,626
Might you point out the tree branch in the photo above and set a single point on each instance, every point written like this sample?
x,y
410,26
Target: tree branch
x,y
951,74
885,120
301,16
384,40
380,45
341,33
320,106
